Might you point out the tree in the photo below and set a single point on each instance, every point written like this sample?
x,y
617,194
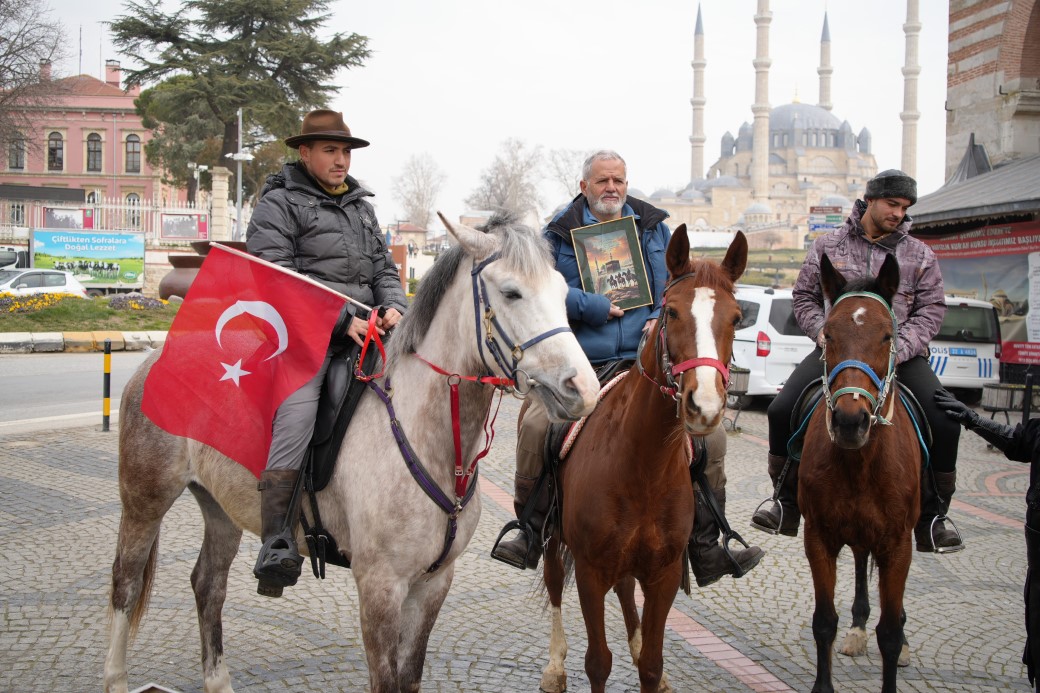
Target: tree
x,y
565,168
417,188
509,183
264,57
29,40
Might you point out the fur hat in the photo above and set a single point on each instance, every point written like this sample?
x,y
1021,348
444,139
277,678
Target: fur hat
x,y
892,183
324,124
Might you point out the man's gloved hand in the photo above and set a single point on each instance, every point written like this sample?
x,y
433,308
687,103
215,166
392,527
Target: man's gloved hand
x,y
993,432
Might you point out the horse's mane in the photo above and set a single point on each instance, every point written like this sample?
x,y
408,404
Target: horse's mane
x,y
711,275
519,247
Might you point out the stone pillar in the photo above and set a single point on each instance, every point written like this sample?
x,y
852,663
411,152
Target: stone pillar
x,y
697,138
220,225
825,70
760,109
911,70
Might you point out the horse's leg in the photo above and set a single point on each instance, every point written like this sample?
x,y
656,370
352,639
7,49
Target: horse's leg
x,y
418,615
823,563
381,594
209,581
658,597
904,653
592,590
554,675
855,642
625,590
137,548
893,569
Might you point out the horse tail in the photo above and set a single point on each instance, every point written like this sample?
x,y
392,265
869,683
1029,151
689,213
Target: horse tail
x,y
141,606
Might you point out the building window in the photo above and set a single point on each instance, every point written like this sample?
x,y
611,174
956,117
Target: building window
x,y
92,197
94,152
16,154
18,214
55,152
133,154
133,210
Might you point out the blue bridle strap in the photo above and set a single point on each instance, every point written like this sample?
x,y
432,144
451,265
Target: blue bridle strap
x,y
859,365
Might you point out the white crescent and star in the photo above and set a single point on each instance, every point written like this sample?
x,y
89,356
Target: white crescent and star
x,y
259,309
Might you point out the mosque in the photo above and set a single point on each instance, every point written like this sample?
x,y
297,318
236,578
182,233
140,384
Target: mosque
x,y
789,159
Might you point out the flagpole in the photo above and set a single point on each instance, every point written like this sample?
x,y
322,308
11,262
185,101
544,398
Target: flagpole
x,y
296,275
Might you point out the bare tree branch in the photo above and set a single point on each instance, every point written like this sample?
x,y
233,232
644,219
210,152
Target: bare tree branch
x,y
565,169
509,184
417,188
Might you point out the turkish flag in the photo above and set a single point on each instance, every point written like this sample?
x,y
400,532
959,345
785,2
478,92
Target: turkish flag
x,y
248,335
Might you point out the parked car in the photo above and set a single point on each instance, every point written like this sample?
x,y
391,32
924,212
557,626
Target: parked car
x,y
966,352
25,282
767,341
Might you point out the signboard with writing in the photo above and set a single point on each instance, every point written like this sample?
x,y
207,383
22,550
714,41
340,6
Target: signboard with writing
x,y
999,264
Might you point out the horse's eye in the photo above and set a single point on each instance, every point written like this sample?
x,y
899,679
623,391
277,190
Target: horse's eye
x,y
672,314
512,294
736,320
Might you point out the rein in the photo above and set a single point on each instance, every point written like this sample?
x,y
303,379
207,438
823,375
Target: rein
x,y
884,386
465,474
672,387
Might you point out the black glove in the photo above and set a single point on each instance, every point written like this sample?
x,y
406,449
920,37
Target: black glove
x,y
341,332
996,434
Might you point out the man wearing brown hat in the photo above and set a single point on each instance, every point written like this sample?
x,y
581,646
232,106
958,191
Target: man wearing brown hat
x,y
313,218
878,226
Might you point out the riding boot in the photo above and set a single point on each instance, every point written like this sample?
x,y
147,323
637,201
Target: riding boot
x,y
519,551
707,556
782,515
933,536
278,565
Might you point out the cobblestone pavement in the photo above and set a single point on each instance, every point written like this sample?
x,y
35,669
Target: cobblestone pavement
x,y
59,512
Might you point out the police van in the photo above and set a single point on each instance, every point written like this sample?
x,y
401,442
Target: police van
x,y
966,352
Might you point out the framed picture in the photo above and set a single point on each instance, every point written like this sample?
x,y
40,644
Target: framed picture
x,y
611,263
62,218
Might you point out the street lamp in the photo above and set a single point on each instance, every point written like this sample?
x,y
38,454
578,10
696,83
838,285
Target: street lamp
x,y
195,169
238,157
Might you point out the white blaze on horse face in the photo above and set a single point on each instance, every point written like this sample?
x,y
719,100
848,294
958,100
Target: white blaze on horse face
x,y
703,310
858,315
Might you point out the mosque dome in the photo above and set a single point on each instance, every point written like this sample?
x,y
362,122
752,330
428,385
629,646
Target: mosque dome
x,y
661,193
691,194
757,208
802,116
721,181
836,201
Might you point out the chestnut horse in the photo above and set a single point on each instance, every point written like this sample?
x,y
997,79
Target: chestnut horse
x,y
859,482
627,500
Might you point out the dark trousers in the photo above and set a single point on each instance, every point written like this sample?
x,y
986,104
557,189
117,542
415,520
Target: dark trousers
x,y
916,374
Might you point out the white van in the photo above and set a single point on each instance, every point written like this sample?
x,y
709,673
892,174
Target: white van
x,y
966,352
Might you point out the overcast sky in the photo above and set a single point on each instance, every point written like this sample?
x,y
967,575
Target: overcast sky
x,y
455,78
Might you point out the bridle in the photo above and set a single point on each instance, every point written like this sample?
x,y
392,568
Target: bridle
x,y
670,371
883,386
465,474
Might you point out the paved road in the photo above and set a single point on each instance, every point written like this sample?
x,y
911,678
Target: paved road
x,y
59,512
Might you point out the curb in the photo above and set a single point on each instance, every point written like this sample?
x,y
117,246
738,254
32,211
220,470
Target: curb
x,y
43,342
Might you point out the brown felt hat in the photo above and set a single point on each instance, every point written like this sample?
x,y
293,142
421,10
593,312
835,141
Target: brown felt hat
x,y
324,124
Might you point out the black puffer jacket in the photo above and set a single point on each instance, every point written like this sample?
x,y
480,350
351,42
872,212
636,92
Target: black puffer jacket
x,y
298,226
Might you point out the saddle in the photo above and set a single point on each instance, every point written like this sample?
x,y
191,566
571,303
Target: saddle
x,y
340,394
811,397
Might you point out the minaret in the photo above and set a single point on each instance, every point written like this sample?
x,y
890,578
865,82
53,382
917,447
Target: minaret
x,y
760,109
697,102
825,70
911,70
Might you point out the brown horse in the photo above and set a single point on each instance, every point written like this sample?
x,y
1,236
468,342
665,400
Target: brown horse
x,y
627,500
861,463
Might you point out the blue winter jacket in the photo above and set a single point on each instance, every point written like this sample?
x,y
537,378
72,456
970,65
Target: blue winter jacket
x,y
606,340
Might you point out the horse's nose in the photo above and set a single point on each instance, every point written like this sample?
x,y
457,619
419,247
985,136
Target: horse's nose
x,y
851,426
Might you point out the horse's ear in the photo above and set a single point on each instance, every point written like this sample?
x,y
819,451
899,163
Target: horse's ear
x,y
735,261
831,279
888,278
678,254
478,245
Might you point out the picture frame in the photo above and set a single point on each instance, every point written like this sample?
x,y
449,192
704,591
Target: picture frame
x,y
184,227
610,262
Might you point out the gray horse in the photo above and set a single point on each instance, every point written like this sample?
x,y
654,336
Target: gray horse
x,y
494,285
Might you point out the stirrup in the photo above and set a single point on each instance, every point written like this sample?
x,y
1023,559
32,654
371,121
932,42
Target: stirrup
x,y
944,549
763,528
527,530
738,570
277,564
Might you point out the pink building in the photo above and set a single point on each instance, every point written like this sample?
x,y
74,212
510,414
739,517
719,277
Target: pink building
x,y
93,141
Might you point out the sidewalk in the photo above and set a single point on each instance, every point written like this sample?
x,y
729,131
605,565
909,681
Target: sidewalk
x,y
43,342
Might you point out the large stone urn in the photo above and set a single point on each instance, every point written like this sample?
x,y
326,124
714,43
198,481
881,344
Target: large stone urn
x,y
186,267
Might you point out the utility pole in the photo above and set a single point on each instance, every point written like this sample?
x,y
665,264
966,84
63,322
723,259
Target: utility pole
x,y
239,157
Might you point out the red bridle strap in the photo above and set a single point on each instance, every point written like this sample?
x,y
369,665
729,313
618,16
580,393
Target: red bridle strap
x,y
463,474
371,335
680,368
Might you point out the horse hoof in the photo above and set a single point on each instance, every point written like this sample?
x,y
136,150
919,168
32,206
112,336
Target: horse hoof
x,y
855,643
553,682
904,656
